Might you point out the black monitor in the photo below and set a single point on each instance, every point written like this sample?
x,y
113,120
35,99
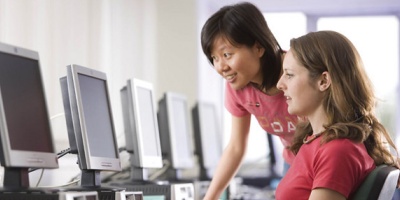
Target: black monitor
x,y
272,155
141,128
25,130
207,132
274,166
175,133
276,162
90,123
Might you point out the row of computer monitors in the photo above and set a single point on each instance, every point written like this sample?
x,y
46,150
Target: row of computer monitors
x,y
25,132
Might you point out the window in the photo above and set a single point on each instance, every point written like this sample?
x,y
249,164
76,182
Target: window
x,y
377,40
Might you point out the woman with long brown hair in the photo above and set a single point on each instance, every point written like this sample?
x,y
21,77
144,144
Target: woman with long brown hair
x,y
340,141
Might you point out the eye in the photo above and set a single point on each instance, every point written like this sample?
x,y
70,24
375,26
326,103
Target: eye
x,y
214,58
288,76
227,55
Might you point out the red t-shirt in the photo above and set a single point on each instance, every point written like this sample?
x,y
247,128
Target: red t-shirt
x,y
270,111
340,165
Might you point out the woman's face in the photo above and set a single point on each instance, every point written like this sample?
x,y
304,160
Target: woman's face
x,y
237,65
302,93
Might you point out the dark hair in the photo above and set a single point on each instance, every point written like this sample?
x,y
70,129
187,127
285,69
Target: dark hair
x,y
244,24
349,102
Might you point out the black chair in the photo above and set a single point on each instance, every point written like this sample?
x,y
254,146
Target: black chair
x,y
380,184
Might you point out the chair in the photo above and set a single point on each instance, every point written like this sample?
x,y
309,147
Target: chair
x,y
380,184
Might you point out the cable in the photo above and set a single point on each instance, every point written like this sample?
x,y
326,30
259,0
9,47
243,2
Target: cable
x,y
58,186
121,175
73,180
75,177
40,177
156,174
63,152
121,149
56,115
59,155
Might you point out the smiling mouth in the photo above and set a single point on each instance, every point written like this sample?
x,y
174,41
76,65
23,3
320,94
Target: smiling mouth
x,y
230,77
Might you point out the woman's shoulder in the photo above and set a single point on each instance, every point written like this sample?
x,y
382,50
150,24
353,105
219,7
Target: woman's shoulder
x,y
245,91
343,146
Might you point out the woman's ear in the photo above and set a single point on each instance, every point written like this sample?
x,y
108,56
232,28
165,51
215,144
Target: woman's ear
x,y
260,49
325,81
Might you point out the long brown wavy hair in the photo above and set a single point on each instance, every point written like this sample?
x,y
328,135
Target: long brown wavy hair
x,y
350,101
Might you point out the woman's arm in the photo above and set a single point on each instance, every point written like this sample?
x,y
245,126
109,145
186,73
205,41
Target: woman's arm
x,y
326,194
231,157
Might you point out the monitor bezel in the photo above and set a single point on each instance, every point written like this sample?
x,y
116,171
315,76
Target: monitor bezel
x,y
139,159
202,138
20,158
128,122
88,161
173,138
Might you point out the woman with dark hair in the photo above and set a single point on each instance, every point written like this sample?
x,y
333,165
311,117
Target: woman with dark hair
x,y
341,141
242,49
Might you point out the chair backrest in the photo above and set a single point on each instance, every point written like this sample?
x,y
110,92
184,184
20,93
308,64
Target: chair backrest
x,y
380,184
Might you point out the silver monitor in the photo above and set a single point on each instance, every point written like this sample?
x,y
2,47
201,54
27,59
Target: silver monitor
x,y
141,125
25,130
207,137
89,118
175,130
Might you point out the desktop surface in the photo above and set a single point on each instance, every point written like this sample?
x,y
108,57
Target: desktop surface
x,y
166,190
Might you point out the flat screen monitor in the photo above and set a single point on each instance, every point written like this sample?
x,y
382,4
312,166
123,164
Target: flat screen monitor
x,y
89,118
175,130
275,147
141,124
25,130
207,135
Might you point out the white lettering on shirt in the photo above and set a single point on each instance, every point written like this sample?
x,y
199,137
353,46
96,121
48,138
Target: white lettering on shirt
x,y
291,126
278,128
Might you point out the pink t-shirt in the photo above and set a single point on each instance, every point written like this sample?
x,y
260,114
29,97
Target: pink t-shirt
x,y
270,111
340,165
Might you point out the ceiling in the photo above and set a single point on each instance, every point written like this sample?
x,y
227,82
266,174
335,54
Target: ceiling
x,y
320,7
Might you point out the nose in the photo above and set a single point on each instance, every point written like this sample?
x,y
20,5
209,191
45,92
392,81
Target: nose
x,y
280,85
221,66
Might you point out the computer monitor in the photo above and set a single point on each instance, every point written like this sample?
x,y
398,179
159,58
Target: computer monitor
x,y
175,133
207,132
257,177
25,130
90,123
141,128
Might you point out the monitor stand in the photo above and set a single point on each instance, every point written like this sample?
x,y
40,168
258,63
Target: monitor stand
x,y
205,174
91,181
16,186
17,179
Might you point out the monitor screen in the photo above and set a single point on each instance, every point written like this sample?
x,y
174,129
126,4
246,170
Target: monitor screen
x,y
23,112
207,134
175,130
97,115
143,135
88,109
